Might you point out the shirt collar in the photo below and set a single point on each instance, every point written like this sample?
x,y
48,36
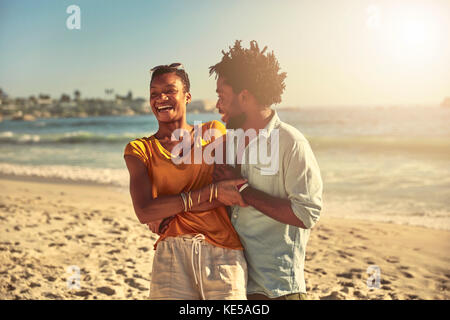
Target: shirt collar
x,y
273,123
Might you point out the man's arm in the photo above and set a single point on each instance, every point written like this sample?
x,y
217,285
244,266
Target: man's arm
x,y
303,185
276,208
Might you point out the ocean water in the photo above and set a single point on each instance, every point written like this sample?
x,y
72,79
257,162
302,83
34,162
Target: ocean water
x,y
387,164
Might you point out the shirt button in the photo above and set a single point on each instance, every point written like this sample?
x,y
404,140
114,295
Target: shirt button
x,y
235,216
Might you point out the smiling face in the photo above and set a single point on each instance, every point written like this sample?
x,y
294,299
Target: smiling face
x,y
168,98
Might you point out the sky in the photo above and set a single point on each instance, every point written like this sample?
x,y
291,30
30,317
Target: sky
x,y
346,52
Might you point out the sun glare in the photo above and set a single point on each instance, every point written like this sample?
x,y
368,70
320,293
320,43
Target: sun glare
x,y
409,33
413,33
414,36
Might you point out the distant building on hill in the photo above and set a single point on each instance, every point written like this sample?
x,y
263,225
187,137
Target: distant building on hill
x,y
43,106
44,99
124,99
198,106
64,98
3,97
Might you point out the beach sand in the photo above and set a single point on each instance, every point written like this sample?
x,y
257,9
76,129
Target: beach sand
x,y
46,227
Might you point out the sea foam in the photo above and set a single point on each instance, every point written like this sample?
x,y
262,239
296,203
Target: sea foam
x,y
113,177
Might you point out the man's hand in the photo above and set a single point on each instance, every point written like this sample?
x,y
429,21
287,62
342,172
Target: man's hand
x,y
159,226
228,194
225,172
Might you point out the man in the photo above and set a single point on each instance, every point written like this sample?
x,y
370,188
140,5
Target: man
x,y
284,204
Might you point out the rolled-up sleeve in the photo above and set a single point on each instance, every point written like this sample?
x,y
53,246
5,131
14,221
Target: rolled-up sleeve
x,y
303,183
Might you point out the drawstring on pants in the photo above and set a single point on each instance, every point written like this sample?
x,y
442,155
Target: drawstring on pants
x,y
197,248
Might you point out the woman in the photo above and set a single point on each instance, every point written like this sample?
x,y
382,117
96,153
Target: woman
x,y
198,254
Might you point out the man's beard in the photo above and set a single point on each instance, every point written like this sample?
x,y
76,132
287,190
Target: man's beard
x,y
236,121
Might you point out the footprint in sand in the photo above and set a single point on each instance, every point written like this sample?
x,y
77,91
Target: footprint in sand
x,y
393,296
354,272
87,278
310,255
58,245
106,290
10,287
83,293
346,275
347,284
320,270
12,250
137,275
326,230
361,237
369,261
335,295
121,272
114,231
107,220
359,294
132,283
407,274
345,290
344,254
441,286
51,295
392,259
